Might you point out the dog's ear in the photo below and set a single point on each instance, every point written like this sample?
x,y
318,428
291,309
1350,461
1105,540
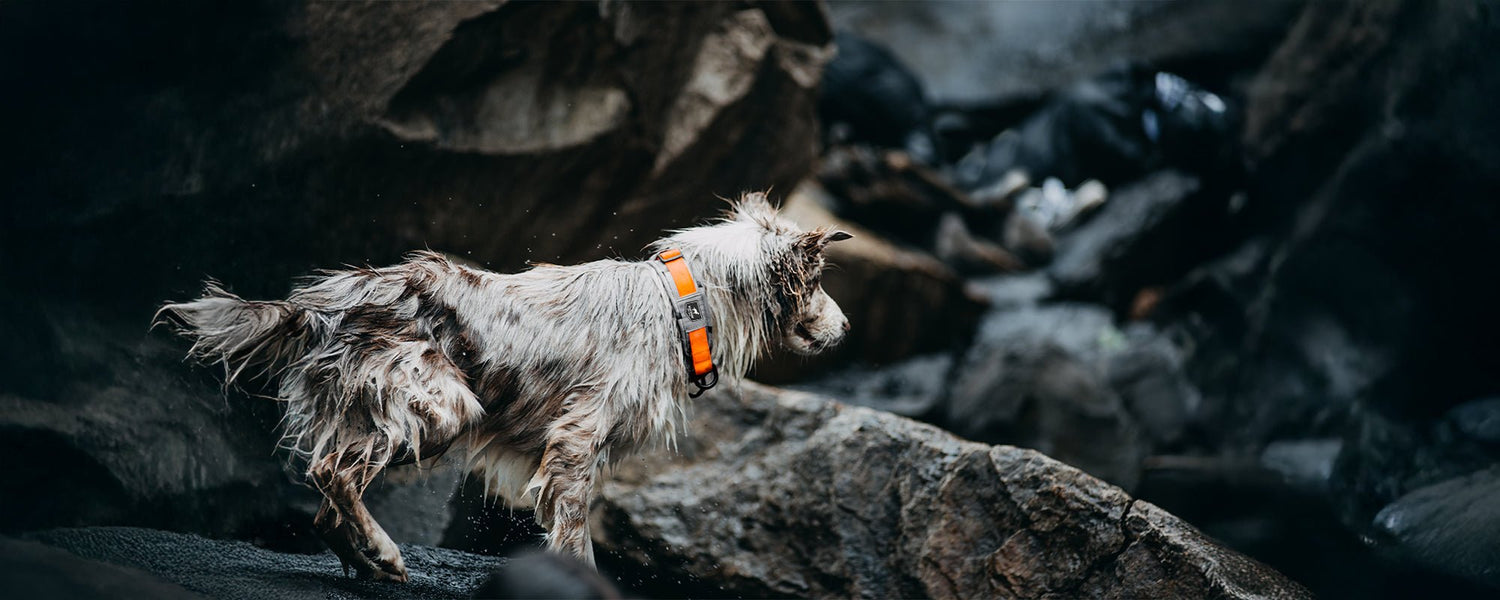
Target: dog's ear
x,y
818,239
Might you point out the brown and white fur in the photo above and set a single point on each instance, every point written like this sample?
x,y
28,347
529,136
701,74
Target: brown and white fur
x,y
541,378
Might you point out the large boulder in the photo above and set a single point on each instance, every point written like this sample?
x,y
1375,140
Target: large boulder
x,y
782,494
171,143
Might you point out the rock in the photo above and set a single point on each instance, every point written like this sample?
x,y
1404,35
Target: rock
x,y
901,303
142,442
1449,527
482,525
547,575
1306,463
1333,124
170,144
1013,291
980,51
1478,420
868,96
1152,381
1057,378
913,204
414,505
230,569
911,388
1356,313
1149,233
1383,459
149,445
787,494
377,131
1112,128
32,570
1037,377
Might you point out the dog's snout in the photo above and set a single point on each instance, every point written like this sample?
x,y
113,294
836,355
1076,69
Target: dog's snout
x,y
847,326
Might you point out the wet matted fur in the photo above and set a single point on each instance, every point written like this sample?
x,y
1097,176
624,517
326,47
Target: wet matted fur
x,y
541,378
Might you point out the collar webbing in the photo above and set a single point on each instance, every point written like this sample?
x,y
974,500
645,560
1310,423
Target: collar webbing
x,y
694,322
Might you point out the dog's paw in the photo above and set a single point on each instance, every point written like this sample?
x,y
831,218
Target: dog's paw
x,y
375,557
384,561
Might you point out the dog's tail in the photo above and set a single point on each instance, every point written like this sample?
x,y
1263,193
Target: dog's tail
x,y
238,333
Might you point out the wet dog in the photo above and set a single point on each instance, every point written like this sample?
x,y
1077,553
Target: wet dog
x,y
541,379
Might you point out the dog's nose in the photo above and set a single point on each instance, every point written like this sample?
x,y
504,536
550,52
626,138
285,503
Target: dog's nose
x,y
847,326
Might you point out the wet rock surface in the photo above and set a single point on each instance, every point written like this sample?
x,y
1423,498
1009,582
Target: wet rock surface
x,y
789,494
232,569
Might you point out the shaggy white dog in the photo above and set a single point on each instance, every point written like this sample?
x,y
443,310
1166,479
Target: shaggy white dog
x,y
543,377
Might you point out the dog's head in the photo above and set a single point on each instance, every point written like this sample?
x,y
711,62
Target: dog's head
x,y
762,257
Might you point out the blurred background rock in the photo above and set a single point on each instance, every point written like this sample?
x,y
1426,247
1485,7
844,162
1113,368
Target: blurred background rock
x,y
1234,258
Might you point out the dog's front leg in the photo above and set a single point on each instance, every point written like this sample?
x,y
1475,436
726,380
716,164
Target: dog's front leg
x,y
570,464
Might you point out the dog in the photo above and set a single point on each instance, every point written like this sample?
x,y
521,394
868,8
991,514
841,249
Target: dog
x,y
543,378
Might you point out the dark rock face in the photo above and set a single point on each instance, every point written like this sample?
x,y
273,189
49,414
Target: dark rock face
x,y
789,494
230,569
1352,313
391,115
253,144
137,439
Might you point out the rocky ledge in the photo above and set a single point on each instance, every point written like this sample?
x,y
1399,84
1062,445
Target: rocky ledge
x,y
777,493
773,493
127,562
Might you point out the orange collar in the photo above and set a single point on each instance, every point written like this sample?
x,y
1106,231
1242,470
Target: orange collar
x,y
694,322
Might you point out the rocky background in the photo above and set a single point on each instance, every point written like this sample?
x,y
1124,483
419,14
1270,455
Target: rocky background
x,y
1273,317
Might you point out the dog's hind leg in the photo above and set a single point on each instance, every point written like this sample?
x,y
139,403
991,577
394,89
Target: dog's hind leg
x,y
575,453
416,402
344,522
